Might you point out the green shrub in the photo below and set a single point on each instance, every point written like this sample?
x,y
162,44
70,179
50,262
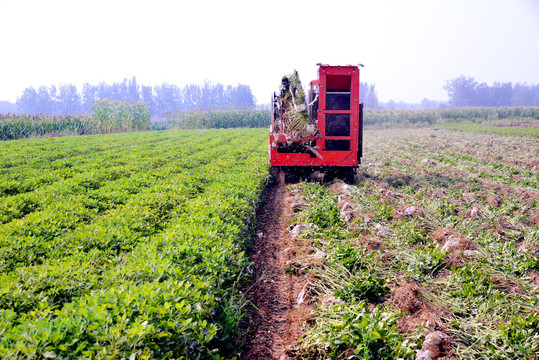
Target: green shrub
x,y
370,334
364,286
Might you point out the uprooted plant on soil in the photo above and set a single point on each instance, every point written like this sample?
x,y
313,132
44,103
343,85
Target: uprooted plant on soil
x,y
433,254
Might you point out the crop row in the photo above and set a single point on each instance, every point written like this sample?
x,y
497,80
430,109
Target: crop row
x,y
143,265
101,174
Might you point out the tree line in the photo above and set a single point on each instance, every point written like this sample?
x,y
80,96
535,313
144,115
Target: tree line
x,y
367,95
66,99
466,91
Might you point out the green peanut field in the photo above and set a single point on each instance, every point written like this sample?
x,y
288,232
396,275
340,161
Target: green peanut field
x,y
125,245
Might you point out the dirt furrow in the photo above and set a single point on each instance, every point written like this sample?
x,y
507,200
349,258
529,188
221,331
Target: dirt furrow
x,y
277,320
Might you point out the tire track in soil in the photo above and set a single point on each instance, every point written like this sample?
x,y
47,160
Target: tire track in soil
x,y
277,321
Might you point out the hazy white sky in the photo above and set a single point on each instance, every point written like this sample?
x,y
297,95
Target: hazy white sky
x,y
409,48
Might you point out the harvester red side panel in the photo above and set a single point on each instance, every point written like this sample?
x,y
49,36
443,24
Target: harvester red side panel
x,y
339,122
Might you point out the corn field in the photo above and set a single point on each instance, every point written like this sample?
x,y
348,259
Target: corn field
x,y
223,118
417,118
22,126
116,116
107,117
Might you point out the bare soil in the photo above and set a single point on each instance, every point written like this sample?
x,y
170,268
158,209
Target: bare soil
x,y
277,320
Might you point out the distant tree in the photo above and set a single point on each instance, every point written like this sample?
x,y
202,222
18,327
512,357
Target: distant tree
x,y
502,94
167,98
69,100
391,104
89,96
103,91
46,102
525,95
431,104
162,98
7,107
465,91
241,96
133,90
123,91
191,95
146,94
206,96
367,95
28,103
461,91
218,96
483,95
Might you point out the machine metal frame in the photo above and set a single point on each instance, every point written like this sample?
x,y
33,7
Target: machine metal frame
x,y
333,101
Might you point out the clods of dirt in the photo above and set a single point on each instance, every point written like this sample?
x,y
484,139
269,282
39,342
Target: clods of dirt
x,y
408,297
534,220
408,211
534,277
506,285
330,300
348,206
474,213
382,231
458,247
434,346
454,242
298,206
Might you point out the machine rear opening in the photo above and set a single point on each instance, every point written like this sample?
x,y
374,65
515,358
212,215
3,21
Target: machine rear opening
x,y
337,124
338,99
338,145
296,148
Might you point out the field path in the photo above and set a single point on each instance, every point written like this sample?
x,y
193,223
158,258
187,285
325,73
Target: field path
x,y
277,319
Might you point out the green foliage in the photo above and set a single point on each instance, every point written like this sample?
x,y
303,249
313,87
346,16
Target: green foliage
x,y
323,212
411,232
128,245
478,188
515,338
364,286
349,274
505,255
370,334
426,260
390,118
352,258
519,337
474,286
383,212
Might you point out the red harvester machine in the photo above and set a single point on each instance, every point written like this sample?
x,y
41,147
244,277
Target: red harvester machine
x,y
325,132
